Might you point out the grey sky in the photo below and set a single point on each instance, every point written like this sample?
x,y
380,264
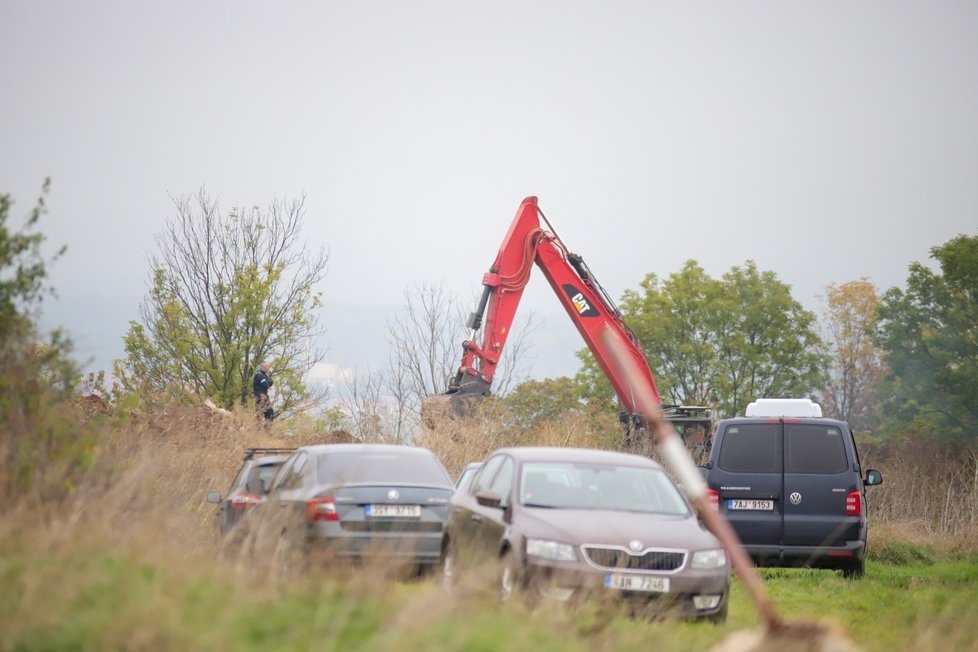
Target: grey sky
x,y
826,140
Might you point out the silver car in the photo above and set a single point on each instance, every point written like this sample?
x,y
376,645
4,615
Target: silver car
x,y
571,523
351,501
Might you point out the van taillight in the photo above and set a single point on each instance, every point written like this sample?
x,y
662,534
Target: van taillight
x,y
243,501
854,504
714,497
321,509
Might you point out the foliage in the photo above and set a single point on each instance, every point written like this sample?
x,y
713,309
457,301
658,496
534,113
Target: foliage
x,y
930,335
534,401
44,446
227,292
22,267
856,367
720,342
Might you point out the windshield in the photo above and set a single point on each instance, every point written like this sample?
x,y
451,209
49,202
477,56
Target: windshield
x,y
599,486
387,467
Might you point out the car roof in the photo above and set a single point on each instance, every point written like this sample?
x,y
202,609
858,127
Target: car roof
x,y
575,455
809,420
322,449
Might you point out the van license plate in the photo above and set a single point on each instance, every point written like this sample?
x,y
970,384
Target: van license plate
x,y
763,505
637,583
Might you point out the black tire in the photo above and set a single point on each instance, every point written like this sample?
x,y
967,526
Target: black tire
x,y
855,570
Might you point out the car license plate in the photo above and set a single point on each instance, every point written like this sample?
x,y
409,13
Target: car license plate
x,y
740,503
637,583
395,511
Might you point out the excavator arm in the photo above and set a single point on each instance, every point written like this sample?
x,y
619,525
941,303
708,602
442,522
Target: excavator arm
x,y
594,314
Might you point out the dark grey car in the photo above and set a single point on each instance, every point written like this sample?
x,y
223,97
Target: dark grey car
x,y
250,485
569,523
358,500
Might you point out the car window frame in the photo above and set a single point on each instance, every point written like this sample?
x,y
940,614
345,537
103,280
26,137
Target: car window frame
x,y
505,496
488,471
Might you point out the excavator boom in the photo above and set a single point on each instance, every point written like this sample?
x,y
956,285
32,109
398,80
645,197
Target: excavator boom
x,y
593,312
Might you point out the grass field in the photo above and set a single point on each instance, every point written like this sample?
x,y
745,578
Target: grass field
x,y
63,595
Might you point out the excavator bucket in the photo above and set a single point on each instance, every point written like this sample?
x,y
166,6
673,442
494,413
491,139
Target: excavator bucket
x,y
442,408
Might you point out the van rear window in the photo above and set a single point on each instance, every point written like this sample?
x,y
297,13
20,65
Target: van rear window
x,y
814,449
751,448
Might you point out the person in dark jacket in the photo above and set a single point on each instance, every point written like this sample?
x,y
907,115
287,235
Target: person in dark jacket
x,y
263,406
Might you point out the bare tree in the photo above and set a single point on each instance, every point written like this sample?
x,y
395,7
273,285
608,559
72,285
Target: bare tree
x,y
227,292
426,349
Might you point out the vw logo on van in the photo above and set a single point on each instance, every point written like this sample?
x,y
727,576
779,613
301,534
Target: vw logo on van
x,y
795,498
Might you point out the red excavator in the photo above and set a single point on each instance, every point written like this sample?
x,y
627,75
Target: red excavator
x,y
593,312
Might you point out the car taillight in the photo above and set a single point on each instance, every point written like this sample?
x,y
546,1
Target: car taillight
x,y
714,497
854,504
321,509
243,501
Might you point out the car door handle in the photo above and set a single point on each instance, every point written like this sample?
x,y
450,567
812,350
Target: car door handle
x,y
476,518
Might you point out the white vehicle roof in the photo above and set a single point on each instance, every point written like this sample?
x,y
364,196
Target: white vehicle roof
x,y
783,407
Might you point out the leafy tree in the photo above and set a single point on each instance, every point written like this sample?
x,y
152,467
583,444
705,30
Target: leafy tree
x,y
766,342
227,292
856,367
720,342
22,281
535,401
43,448
930,335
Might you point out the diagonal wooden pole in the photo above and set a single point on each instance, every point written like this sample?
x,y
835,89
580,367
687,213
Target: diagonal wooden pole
x,y
677,458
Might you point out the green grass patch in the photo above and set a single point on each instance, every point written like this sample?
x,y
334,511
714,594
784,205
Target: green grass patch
x,y
101,600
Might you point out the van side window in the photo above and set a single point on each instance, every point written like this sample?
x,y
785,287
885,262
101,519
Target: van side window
x,y
751,448
814,449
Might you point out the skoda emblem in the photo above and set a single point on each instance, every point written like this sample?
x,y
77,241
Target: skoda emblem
x,y
393,494
635,545
795,498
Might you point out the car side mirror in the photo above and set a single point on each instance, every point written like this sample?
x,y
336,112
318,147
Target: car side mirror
x,y
213,497
489,498
873,477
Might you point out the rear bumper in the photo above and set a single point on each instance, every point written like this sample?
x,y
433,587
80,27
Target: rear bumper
x,y
330,542
807,556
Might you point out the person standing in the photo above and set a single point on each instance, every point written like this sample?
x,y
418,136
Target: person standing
x,y
263,406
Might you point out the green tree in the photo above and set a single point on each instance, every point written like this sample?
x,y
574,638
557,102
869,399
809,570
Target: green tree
x,y
22,283
856,363
227,292
719,342
534,401
929,333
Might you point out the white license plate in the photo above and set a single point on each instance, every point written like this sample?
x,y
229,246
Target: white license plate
x,y
764,505
637,583
395,511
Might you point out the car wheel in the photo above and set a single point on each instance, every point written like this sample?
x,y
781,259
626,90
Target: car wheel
x,y
854,570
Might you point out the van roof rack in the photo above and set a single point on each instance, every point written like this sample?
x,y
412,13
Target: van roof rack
x,y
251,453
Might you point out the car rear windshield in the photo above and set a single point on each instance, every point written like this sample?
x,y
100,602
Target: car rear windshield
x,y
388,467
751,448
814,449
599,486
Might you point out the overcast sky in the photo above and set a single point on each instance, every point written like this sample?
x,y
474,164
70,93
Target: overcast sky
x,y
828,141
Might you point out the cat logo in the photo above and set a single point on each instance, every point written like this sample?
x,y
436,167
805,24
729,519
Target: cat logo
x,y
581,303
